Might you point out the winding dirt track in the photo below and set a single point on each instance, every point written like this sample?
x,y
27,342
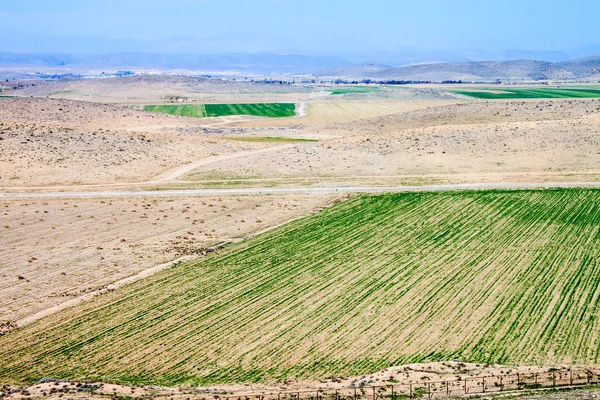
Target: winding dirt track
x,y
320,190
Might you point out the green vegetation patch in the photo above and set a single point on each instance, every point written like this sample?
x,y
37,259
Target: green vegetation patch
x,y
484,276
269,139
353,89
186,110
530,93
272,110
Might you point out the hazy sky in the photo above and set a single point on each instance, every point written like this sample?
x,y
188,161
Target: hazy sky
x,y
322,25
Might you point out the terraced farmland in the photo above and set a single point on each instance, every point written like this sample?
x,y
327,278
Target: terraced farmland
x,y
272,110
496,276
530,93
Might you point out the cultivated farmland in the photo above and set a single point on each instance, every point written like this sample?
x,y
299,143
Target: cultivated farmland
x,y
353,89
272,110
498,276
530,93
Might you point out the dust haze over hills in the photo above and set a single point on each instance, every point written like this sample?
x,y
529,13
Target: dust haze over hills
x,y
583,68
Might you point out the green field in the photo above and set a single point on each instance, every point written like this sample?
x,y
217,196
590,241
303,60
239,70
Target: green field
x,y
272,110
483,276
269,139
530,93
186,110
353,89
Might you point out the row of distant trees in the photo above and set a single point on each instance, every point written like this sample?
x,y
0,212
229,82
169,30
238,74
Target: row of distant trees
x,y
389,82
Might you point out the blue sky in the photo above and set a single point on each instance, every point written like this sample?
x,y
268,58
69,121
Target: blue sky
x,y
325,26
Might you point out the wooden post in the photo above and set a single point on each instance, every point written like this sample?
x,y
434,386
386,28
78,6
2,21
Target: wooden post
x,y
501,385
429,389
483,383
447,389
553,380
465,385
518,381
536,381
355,393
588,376
392,392
571,377
336,394
373,392
410,390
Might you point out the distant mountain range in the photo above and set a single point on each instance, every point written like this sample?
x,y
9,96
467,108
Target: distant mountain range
x,y
582,68
257,63
328,67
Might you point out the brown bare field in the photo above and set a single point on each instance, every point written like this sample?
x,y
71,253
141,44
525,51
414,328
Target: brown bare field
x,y
152,88
56,250
475,142
62,142
334,110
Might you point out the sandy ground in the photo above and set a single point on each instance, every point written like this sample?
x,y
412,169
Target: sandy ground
x,y
465,143
336,108
53,251
48,142
419,375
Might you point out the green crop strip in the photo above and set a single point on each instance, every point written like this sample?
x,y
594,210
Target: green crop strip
x,y
272,110
268,139
537,93
186,110
483,276
352,89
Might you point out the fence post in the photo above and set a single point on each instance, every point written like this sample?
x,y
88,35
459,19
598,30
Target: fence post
x,y
501,385
447,389
278,396
465,385
571,378
429,389
518,381
588,376
392,392
354,392
373,392
553,380
410,390
483,383
336,394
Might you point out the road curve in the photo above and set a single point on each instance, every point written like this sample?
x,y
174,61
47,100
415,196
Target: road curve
x,y
318,190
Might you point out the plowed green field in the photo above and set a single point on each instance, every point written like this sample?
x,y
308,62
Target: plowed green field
x,y
272,110
485,276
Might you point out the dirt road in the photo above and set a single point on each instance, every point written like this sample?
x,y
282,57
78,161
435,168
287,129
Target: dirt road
x,y
320,190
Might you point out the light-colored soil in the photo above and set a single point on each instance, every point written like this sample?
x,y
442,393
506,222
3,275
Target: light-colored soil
x,y
336,109
48,142
157,88
468,143
416,374
55,250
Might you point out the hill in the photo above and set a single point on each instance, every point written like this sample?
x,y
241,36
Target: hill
x,y
583,68
353,71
